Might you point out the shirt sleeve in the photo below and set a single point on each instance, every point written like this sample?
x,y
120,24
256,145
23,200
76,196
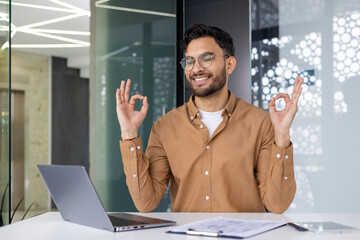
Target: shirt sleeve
x,y
147,175
275,174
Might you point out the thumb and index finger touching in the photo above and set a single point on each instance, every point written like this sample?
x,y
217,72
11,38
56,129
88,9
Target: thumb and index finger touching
x,y
296,93
123,96
145,104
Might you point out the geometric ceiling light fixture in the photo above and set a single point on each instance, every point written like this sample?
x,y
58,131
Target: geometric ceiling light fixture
x,y
101,4
63,10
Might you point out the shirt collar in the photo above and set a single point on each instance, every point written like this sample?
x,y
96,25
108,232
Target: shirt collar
x,y
228,110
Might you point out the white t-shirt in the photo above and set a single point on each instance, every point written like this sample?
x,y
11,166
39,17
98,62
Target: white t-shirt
x,y
211,119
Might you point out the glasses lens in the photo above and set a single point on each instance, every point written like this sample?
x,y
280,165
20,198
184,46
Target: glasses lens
x,y
187,63
183,63
205,60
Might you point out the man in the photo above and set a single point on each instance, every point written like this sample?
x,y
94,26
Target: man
x,y
220,153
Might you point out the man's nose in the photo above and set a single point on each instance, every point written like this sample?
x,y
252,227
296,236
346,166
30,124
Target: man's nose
x,y
197,67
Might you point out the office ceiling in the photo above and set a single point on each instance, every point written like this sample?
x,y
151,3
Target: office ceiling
x,y
62,27
51,27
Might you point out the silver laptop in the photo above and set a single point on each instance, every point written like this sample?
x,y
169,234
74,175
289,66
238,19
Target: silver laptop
x,y
77,201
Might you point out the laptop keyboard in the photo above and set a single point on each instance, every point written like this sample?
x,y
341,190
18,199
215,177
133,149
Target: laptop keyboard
x,y
116,221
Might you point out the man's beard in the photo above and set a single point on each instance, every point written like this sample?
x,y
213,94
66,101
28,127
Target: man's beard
x,y
217,84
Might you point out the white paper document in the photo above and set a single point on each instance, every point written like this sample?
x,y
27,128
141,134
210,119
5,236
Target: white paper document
x,y
227,227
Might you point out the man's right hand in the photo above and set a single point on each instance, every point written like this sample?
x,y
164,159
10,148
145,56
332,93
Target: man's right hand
x,y
129,119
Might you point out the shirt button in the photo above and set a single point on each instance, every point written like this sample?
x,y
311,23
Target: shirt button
x,y
192,118
285,178
208,147
207,197
286,156
229,114
138,147
206,173
278,155
201,126
134,176
132,149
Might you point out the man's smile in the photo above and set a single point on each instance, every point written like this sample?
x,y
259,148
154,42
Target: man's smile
x,y
200,79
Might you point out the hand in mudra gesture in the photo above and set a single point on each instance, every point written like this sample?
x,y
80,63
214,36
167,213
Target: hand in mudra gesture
x,y
282,120
129,119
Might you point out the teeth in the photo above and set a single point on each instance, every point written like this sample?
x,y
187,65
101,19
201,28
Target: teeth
x,y
199,79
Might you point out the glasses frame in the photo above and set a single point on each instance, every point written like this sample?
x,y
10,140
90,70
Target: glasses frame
x,y
212,56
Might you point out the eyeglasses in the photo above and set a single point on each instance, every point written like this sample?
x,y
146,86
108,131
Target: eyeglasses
x,y
205,60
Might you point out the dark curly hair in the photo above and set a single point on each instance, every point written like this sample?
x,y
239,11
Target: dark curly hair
x,y
222,38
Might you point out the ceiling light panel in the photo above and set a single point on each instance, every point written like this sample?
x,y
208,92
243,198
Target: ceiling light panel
x,y
49,24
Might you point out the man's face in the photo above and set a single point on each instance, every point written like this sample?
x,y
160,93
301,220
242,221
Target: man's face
x,y
206,81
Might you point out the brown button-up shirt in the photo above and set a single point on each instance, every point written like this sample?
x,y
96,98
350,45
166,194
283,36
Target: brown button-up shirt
x,y
238,169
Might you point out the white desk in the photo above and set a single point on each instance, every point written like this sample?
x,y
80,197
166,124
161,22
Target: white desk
x,y
50,226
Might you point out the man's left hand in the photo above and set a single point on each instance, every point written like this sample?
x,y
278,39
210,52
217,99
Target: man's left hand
x,y
282,120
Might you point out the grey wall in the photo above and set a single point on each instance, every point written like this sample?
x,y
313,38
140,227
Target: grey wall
x,y
70,115
233,17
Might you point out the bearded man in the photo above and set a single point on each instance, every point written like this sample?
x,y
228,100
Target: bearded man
x,y
219,153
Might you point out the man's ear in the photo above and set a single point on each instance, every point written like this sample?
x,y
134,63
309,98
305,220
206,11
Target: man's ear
x,y
231,64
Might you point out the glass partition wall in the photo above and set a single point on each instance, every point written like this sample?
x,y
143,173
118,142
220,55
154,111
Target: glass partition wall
x,y
4,113
136,40
318,40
